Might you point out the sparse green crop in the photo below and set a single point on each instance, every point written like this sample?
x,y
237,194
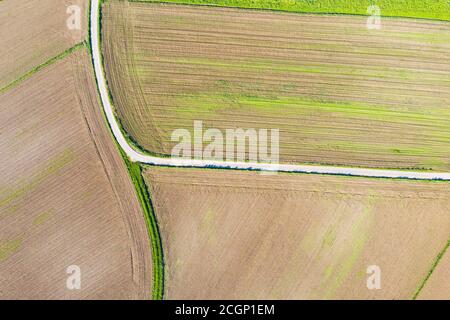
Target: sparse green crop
x,y
339,93
8,248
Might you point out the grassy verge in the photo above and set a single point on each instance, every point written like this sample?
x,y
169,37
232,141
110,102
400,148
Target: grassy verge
x,y
157,253
433,267
424,9
43,65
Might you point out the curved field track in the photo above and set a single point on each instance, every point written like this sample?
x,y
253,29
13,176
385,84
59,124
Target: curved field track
x,y
240,235
65,194
339,94
33,31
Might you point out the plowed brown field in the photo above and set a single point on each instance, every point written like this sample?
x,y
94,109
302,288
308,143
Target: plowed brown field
x,y
33,31
241,235
65,194
338,92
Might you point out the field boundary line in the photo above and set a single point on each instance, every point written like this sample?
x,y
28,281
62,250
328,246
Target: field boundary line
x,y
433,267
137,156
41,66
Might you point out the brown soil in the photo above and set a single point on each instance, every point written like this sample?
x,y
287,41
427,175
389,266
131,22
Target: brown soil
x,y
65,194
242,235
33,31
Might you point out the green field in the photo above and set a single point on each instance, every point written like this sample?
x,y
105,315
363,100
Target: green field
x,y
427,9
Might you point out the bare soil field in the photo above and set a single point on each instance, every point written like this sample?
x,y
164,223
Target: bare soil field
x,y
340,94
33,31
65,194
241,235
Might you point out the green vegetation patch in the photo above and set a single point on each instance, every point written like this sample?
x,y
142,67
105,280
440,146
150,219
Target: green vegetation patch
x,y
42,218
25,186
425,9
8,248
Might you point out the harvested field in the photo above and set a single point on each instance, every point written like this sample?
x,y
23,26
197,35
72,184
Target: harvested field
x,y
241,235
33,31
65,194
339,94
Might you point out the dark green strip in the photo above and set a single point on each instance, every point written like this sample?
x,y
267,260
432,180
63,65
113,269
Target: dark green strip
x,y
436,262
157,252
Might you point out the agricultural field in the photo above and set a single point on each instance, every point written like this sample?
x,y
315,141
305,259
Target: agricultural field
x,y
241,235
33,31
72,193
66,197
339,94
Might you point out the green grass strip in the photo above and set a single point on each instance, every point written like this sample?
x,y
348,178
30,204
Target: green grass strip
x,y
135,171
422,9
433,267
43,65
